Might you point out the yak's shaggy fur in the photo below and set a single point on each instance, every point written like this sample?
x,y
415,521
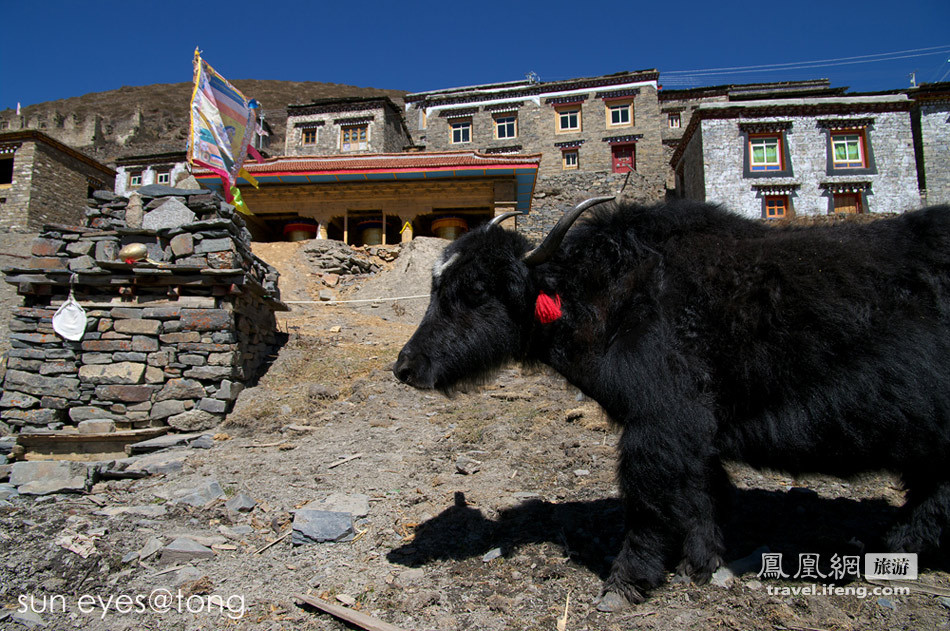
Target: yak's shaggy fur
x,y
708,337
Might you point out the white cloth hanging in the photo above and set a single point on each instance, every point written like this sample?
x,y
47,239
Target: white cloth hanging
x,y
70,319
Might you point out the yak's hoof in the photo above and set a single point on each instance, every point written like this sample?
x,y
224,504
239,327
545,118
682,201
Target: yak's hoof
x,y
611,602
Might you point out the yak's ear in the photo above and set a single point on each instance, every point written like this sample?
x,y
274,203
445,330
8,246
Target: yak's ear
x,y
517,279
552,241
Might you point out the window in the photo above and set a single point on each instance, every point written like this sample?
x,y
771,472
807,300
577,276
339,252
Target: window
x,y
776,206
569,159
765,153
308,136
847,203
506,126
847,150
620,114
135,178
461,131
164,177
6,172
353,138
673,120
569,119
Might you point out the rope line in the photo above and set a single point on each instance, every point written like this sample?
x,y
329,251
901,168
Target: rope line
x,y
341,302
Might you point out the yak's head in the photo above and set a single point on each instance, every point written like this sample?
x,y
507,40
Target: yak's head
x,y
481,308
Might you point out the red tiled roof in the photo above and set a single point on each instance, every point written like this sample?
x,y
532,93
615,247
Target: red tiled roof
x,y
387,162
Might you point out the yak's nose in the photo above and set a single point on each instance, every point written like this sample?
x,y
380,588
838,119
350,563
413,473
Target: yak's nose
x,y
409,367
401,368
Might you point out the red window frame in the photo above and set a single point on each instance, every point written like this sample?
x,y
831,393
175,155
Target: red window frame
x,y
862,161
767,166
776,206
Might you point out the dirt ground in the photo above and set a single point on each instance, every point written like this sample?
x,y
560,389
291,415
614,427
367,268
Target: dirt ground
x,y
493,510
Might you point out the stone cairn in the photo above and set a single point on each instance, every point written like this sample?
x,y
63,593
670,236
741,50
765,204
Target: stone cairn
x,y
169,340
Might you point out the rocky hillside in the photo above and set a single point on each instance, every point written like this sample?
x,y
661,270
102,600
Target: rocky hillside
x,y
154,118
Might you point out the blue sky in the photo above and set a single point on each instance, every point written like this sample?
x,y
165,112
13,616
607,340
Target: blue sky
x,y
56,49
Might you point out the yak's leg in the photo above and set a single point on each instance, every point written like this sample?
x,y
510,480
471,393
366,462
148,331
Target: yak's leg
x,y
664,479
927,517
703,543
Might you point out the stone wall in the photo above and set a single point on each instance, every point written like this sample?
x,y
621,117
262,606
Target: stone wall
x,y
51,183
69,128
555,194
60,187
386,131
691,173
168,340
935,149
537,133
891,187
15,208
176,171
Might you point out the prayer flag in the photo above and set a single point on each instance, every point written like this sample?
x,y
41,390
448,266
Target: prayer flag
x,y
222,126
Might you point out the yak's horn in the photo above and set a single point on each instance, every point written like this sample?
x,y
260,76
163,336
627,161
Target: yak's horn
x,y
500,218
551,242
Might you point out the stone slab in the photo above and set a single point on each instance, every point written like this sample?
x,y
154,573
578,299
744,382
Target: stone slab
x,y
45,477
201,495
182,550
171,214
319,526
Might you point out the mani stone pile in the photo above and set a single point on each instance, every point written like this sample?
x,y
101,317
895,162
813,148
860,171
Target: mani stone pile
x,y
169,340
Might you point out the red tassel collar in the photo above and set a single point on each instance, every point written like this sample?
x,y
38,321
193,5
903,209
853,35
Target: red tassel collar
x,y
547,309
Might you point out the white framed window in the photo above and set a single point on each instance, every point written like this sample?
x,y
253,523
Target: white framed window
x,y
570,160
506,126
620,114
461,130
163,177
765,153
135,178
673,120
569,119
847,150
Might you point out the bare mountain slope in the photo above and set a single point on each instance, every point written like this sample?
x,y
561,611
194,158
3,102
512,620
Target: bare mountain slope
x,y
150,119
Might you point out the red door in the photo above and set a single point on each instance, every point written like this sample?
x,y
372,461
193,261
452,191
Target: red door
x,y
624,158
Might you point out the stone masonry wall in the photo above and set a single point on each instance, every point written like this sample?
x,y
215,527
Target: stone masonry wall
x,y
15,209
168,341
893,187
935,141
49,186
386,133
691,176
537,133
60,187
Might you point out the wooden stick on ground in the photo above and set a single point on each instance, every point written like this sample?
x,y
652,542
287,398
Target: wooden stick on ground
x,y
349,615
275,541
344,461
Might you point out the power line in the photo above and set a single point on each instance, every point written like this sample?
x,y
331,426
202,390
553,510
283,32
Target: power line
x,y
818,63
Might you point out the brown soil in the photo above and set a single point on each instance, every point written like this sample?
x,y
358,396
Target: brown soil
x,y
528,532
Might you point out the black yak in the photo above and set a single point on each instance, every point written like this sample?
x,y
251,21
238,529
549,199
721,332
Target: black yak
x,y
709,337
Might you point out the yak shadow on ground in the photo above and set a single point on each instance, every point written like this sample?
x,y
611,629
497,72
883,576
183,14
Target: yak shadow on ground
x,y
590,532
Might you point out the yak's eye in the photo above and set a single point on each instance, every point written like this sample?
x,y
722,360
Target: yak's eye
x,y
475,293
